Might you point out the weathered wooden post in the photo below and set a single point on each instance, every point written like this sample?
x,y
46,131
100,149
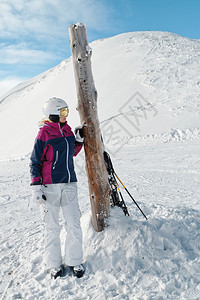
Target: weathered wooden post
x,y
87,107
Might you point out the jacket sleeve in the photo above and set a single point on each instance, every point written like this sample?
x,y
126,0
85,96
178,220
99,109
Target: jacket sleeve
x,y
77,148
36,161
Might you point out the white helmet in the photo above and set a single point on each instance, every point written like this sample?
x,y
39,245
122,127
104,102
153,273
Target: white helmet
x,y
53,106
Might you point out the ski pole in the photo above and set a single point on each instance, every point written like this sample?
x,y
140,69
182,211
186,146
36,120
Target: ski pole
x,y
130,196
124,207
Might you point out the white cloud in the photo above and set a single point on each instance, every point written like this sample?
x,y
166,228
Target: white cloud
x,y
21,53
35,32
8,83
48,18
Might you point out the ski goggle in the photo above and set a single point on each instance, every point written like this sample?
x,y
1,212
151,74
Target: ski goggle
x,y
64,112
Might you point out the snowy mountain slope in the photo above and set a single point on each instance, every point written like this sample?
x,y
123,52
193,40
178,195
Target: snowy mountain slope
x,y
147,83
148,86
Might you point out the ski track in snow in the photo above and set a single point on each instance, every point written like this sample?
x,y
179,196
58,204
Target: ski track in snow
x,y
132,258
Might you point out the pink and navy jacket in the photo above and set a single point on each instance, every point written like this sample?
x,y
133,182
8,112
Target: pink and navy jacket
x,y
52,155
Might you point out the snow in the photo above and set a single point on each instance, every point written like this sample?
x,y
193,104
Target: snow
x,y
148,102
132,258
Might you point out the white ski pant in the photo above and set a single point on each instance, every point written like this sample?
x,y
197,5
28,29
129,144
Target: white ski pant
x,y
62,195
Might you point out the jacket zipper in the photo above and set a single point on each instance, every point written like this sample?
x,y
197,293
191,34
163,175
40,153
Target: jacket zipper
x,y
67,160
67,154
55,162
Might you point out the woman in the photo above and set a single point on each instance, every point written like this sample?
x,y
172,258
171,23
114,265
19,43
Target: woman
x,y
54,186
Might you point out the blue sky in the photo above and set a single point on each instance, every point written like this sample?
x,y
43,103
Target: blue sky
x,y
34,33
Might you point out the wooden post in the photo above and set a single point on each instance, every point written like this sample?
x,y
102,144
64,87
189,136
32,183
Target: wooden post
x,y
87,107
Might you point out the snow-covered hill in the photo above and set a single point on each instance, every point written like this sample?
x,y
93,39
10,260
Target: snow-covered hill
x,y
148,83
148,99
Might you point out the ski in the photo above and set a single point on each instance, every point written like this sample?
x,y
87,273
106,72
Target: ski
x,y
116,195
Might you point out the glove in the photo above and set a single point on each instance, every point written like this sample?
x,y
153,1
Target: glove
x,y
37,194
79,134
